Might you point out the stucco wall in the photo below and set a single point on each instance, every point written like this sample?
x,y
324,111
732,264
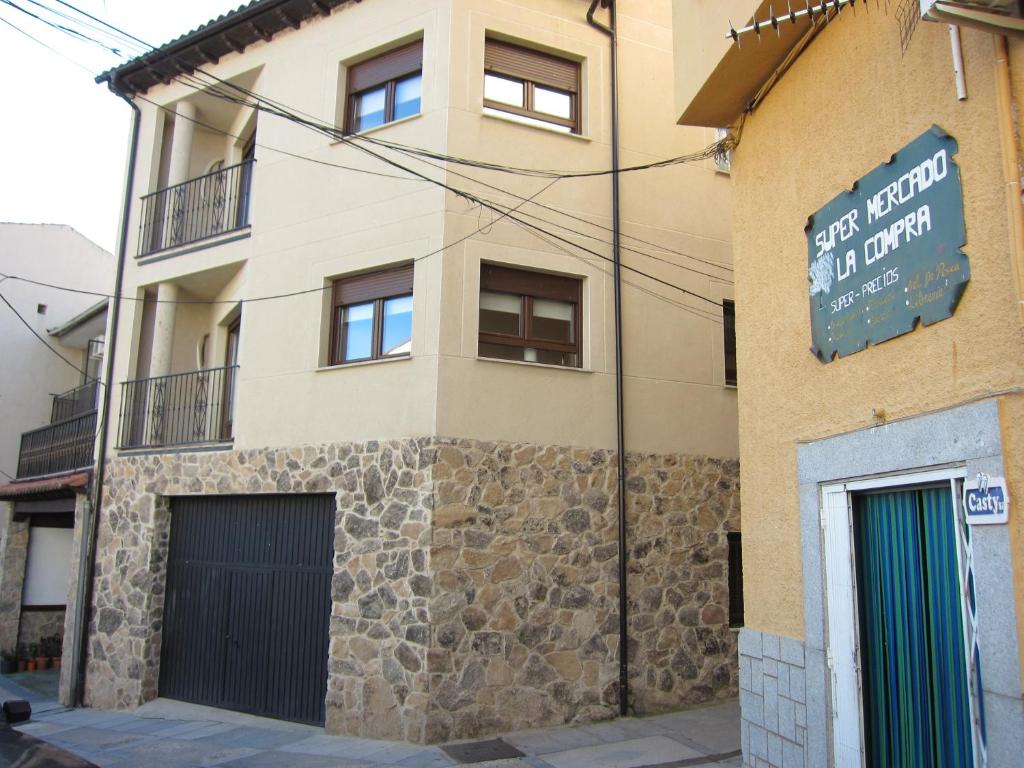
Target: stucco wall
x,y
821,128
312,223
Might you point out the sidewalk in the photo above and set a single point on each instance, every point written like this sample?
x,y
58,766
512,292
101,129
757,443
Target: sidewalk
x,y
171,734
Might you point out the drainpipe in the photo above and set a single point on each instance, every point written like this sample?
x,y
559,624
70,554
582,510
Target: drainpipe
x,y
1011,167
90,528
620,432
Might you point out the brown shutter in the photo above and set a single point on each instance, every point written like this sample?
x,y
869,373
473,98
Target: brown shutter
x,y
387,66
376,285
542,68
525,283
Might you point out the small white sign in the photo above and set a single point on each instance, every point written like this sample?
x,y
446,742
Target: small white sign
x,y
986,500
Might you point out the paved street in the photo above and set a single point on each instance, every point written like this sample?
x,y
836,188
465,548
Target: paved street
x,y
171,734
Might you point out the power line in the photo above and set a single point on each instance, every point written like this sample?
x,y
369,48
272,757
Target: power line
x,y
329,130
33,332
34,39
61,27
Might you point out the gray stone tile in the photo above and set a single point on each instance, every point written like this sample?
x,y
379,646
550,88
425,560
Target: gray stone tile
x,y
431,758
206,731
758,742
541,742
775,750
783,679
750,643
752,707
626,754
771,704
96,739
247,736
770,646
745,673
389,753
770,667
623,729
792,755
797,685
536,762
357,750
275,759
792,651
757,676
42,730
787,719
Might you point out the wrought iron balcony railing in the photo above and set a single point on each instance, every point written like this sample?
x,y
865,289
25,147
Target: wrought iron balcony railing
x,y
75,402
196,209
180,409
63,446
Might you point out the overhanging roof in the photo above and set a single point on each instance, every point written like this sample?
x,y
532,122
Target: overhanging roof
x,y
743,69
86,325
48,487
231,33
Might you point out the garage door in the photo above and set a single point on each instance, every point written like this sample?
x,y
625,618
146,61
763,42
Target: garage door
x,y
247,608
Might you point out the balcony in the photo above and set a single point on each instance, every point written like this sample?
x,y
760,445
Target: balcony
x,y
75,402
195,210
63,446
178,410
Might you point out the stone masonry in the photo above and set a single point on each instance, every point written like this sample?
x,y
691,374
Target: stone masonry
x,y
773,699
13,556
475,587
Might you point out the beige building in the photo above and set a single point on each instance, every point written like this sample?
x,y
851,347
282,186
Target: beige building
x,y
875,178
47,418
362,468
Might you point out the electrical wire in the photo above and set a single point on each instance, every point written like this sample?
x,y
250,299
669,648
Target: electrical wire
x,y
34,39
33,332
67,30
329,130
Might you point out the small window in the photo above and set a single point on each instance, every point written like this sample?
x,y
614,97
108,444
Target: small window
x,y
385,88
372,316
529,316
40,309
723,162
531,87
735,580
729,333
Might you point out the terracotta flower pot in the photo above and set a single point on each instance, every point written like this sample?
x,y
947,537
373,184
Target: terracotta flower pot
x,y
41,662
55,662
30,665
22,665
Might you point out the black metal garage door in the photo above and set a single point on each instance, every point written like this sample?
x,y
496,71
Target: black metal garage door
x,y
248,604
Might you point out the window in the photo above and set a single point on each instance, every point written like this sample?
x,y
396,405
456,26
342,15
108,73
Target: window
x,y
529,316
372,316
723,162
385,88
531,87
735,579
729,332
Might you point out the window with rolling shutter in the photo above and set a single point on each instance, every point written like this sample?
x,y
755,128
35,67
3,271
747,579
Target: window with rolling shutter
x,y
385,88
532,317
372,316
531,87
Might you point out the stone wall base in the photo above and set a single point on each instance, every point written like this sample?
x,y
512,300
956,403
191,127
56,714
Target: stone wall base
x,y
476,583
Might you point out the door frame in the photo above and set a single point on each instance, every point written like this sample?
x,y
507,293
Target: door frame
x,y
843,658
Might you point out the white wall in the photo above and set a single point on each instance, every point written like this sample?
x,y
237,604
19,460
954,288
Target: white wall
x,y
47,569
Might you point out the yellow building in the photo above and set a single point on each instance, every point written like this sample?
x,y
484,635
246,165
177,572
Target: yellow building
x,y
362,450
875,178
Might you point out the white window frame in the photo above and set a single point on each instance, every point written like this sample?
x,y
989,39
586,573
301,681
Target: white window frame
x,y
842,632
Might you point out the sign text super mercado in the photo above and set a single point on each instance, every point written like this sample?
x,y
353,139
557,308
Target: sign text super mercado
x,y
888,252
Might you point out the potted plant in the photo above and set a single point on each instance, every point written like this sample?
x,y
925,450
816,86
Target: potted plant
x,y
54,645
8,662
22,654
41,656
33,657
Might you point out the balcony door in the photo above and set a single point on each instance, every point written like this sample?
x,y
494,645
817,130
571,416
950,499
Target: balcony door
x,y
230,374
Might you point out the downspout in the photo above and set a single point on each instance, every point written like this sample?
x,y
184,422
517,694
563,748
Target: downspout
x,y
87,560
1011,167
620,430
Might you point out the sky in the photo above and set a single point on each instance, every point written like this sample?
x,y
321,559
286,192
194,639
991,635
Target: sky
x,y
63,138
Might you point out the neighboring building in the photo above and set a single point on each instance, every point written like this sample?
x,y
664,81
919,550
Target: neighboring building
x,y
47,417
883,623
385,500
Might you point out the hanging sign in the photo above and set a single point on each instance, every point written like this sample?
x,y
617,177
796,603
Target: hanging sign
x,y
887,253
986,501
